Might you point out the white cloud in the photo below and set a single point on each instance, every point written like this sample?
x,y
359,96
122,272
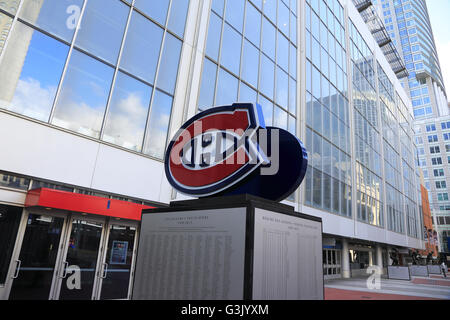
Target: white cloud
x,y
127,119
125,124
31,99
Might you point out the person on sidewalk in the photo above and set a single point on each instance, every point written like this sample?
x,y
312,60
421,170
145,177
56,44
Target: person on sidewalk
x,y
444,269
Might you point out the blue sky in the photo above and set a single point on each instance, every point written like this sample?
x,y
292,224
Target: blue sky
x,y
439,11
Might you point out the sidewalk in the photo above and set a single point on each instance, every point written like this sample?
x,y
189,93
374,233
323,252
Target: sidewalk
x,y
340,294
419,288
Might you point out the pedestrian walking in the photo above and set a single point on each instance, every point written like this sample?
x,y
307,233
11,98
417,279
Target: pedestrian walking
x,y
444,269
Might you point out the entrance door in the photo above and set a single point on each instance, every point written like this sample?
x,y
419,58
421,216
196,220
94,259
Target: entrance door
x,y
10,218
331,263
77,277
35,265
118,262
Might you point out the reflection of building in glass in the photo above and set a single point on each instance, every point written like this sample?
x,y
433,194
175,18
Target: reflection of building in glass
x,y
90,110
5,26
409,27
10,73
433,147
430,245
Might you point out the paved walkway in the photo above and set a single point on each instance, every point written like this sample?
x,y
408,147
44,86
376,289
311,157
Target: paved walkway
x,y
419,288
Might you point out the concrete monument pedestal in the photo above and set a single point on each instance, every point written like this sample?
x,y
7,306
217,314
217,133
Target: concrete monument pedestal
x,y
229,248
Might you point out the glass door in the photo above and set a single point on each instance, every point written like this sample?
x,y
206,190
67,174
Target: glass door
x,y
118,262
331,263
10,218
35,265
77,278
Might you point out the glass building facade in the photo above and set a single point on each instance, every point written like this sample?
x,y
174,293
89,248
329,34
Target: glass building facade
x,y
94,90
344,87
103,69
107,70
408,24
251,55
329,176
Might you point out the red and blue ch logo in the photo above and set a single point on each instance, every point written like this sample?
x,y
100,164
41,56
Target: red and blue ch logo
x,y
228,150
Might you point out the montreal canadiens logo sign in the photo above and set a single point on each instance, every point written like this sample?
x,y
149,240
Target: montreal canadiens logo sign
x,y
228,150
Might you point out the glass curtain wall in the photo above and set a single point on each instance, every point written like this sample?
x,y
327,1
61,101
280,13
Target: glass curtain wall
x,y
105,69
328,178
369,196
251,56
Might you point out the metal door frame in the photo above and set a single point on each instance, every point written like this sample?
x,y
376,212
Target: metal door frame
x,y
14,263
64,249
61,256
330,266
111,222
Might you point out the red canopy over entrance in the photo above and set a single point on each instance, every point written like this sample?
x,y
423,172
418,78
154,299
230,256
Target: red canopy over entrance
x,y
56,199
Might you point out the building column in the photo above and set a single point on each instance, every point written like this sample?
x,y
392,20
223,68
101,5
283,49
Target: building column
x,y
389,260
379,254
370,258
345,267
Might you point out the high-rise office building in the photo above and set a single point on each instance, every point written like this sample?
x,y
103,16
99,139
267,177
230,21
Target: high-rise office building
x,y
408,24
96,88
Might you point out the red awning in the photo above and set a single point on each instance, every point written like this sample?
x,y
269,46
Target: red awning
x,y
63,200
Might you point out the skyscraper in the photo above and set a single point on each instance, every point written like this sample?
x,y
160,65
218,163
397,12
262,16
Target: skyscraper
x,y
408,24
97,88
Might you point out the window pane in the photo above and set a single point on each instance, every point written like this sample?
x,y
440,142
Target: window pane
x,y
283,18
213,41
227,86
102,27
267,108
283,52
14,182
178,13
6,23
253,24
246,94
316,83
317,116
206,98
282,88
234,13
84,94
315,52
127,116
36,63
317,188
270,9
293,61
158,125
156,10
266,76
250,64
217,6
10,6
231,49
268,39
294,6
142,47
280,118
293,34
292,126
168,69
59,17
292,96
